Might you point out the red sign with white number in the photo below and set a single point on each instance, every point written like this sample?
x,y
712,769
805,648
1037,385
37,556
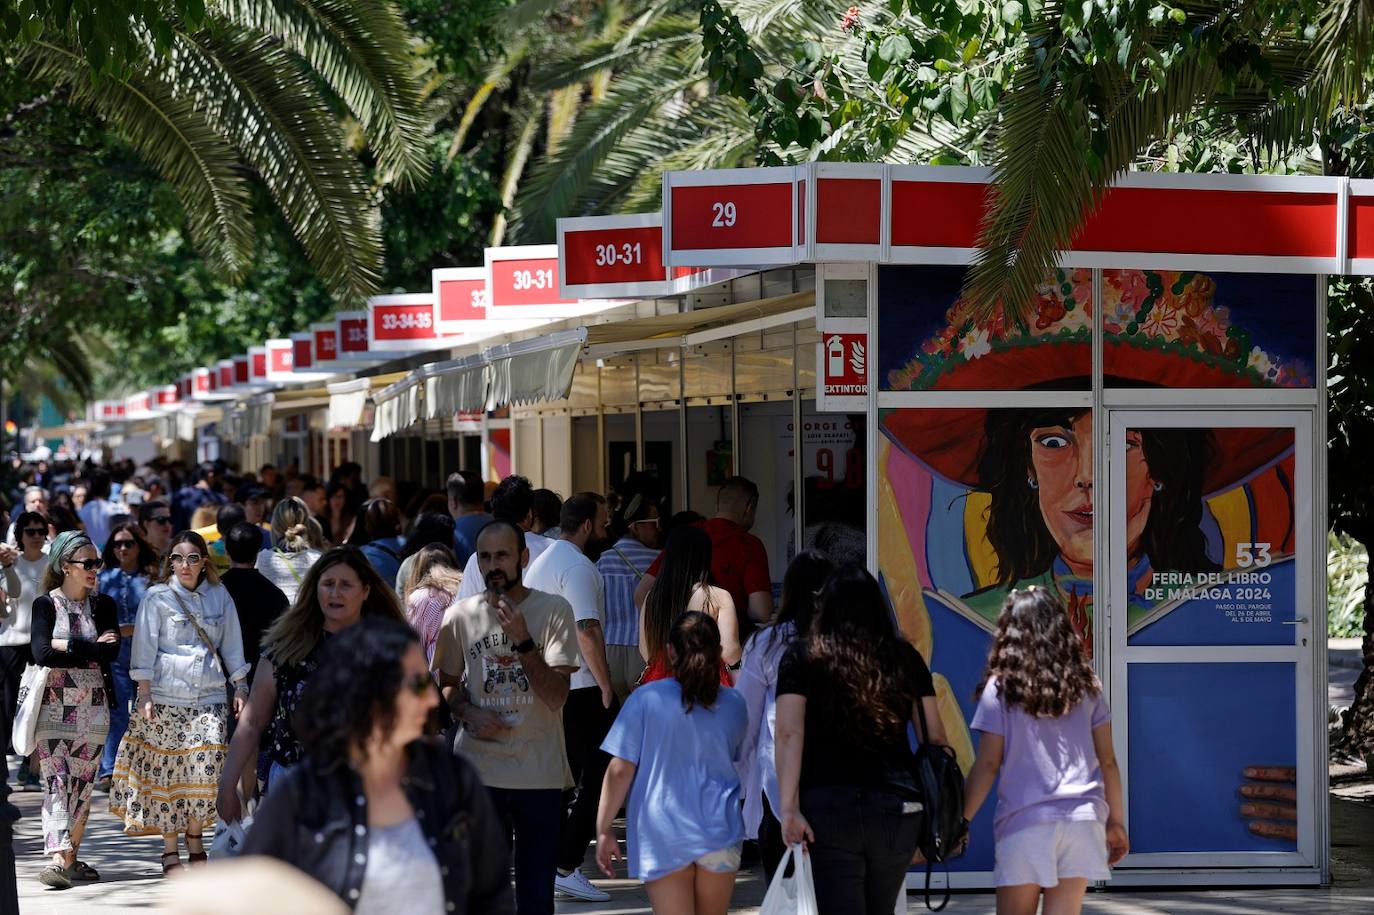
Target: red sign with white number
x,y
462,300
327,344
353,335
627,255
403,322
845,369
531,281
721,217
279,358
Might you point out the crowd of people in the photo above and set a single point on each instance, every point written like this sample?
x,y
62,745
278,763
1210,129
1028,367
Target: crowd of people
x,y
454,696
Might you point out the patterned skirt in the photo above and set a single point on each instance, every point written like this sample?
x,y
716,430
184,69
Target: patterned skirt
x,y
167,771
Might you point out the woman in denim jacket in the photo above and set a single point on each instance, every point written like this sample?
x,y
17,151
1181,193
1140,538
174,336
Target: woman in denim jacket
x,y
186,643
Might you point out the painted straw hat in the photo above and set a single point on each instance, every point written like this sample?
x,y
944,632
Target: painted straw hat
x,y
1162,329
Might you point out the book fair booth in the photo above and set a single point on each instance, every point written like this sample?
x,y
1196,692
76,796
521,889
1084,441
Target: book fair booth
x,y
1147,443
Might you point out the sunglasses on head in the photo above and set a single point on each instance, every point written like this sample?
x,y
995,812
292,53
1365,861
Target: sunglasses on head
x,y
90,565
35,532
419,684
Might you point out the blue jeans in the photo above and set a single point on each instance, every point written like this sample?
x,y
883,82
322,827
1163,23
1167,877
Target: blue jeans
x,y
535,816
119,715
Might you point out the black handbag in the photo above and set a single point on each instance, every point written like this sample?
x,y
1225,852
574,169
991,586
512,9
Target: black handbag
x,y
936,771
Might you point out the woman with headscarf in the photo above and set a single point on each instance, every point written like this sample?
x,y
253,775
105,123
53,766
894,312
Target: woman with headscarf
x,y
75,636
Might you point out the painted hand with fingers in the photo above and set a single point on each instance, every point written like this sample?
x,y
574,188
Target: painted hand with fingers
x,y
1271,801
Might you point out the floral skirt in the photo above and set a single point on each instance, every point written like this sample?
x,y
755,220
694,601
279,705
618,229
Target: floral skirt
x,y
167,771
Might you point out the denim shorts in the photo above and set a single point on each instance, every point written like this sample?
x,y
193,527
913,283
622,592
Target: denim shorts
x,y
725,861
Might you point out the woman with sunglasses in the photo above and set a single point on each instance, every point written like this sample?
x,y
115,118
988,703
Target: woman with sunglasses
x,y
16,630
340,589
376,812
125,578
75,636
186,645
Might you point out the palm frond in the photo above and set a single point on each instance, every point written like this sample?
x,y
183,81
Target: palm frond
x,y
618,52
362,51
173,136
527,129
260,96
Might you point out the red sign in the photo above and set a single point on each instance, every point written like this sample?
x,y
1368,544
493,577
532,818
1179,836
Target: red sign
x,y
845,368
724,216
849,211
353,335
405,321
462,300
258,363
226,373
531,281
241,370
327,344
626,255
167,395
202,381
279,358
300,353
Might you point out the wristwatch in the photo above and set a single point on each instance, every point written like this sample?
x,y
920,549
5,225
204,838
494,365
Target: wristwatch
x,y
523,647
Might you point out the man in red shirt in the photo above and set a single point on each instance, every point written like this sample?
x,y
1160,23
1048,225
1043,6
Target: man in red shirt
x,y
739,560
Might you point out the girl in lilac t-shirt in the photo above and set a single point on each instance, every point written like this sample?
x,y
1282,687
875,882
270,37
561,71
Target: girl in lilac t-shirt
x,y
1045,726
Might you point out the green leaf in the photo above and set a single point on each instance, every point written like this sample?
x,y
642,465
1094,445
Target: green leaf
x,y
895,48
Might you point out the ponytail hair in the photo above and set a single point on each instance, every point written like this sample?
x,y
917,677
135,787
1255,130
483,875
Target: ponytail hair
x,y
694,641
293,528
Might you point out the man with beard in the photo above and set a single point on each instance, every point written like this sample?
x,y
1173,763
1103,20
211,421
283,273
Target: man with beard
x,y
505,658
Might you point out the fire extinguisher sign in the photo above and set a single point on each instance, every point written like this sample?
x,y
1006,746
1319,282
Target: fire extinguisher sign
x,y
844,369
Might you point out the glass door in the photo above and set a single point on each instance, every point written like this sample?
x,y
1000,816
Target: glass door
x,y
1212,616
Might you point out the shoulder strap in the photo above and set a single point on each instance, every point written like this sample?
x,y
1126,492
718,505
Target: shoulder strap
x,y
204,637
626,559
286,558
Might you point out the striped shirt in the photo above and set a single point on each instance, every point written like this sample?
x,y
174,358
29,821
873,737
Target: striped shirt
x,y
622,617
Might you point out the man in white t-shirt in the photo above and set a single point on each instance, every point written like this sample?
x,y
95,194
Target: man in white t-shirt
x,y
564,569
505,658
511,501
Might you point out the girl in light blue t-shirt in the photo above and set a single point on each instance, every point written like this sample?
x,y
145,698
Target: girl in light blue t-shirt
x,y
674,748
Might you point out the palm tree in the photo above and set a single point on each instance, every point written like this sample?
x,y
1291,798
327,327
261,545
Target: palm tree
x,y
1072,122
256,93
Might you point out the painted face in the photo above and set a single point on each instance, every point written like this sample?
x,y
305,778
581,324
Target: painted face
x,y
499,559
1062,470
88,574
417,697
341,594
187,563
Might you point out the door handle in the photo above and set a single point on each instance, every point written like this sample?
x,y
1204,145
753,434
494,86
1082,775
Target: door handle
x,y
1301,619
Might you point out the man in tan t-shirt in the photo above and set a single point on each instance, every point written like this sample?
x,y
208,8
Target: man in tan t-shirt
x,y
505,659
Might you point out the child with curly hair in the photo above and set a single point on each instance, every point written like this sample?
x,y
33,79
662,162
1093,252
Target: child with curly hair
x,y
1044,724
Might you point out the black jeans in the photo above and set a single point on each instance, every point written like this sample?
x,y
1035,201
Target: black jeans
x,y
771,845
864,843
585,725
532,815
13,660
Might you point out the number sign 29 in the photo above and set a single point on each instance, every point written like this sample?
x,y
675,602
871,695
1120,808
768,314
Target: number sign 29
x,y
724,214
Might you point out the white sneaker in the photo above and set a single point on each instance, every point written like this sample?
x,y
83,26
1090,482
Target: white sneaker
x,y
579,887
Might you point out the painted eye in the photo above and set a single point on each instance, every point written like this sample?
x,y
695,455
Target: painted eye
x,y
1052,440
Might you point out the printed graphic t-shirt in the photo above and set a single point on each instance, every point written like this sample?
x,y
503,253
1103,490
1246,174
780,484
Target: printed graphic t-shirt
x,y
530,754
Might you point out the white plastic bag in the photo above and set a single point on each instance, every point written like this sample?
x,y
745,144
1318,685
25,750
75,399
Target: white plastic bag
x,y
794,895
229,837
31,688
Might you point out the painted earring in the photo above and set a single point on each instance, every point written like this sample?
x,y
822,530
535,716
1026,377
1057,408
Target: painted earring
x,y
1158,487
1030,481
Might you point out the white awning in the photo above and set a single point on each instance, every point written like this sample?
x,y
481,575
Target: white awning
x,y
457,386
704,325
398,406
257,416
537,369
347,399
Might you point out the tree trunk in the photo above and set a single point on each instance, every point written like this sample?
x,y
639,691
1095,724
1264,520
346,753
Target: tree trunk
x,y
1357,737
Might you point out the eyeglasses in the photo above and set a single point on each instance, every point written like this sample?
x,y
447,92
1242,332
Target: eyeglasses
x,y
191,559
419,684
90,565
653,521
35,532
161,519
123,544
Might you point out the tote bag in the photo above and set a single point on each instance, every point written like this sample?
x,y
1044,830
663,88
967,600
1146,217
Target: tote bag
x,y
31,687
794,895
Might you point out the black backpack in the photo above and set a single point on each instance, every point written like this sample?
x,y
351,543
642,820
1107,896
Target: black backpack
x,y
942,789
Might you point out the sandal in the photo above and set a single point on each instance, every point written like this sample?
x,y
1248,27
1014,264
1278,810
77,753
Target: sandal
x,y
196,856
83,871
55,876
174,866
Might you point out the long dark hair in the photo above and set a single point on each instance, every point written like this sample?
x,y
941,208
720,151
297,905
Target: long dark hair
x,y
1039,662
801,583
686,567
1016,531
147,557
430,527
354,688
297,631
695,642
863,658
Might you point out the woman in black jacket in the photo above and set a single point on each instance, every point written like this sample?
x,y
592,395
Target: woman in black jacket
x,y
75,636
374,811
